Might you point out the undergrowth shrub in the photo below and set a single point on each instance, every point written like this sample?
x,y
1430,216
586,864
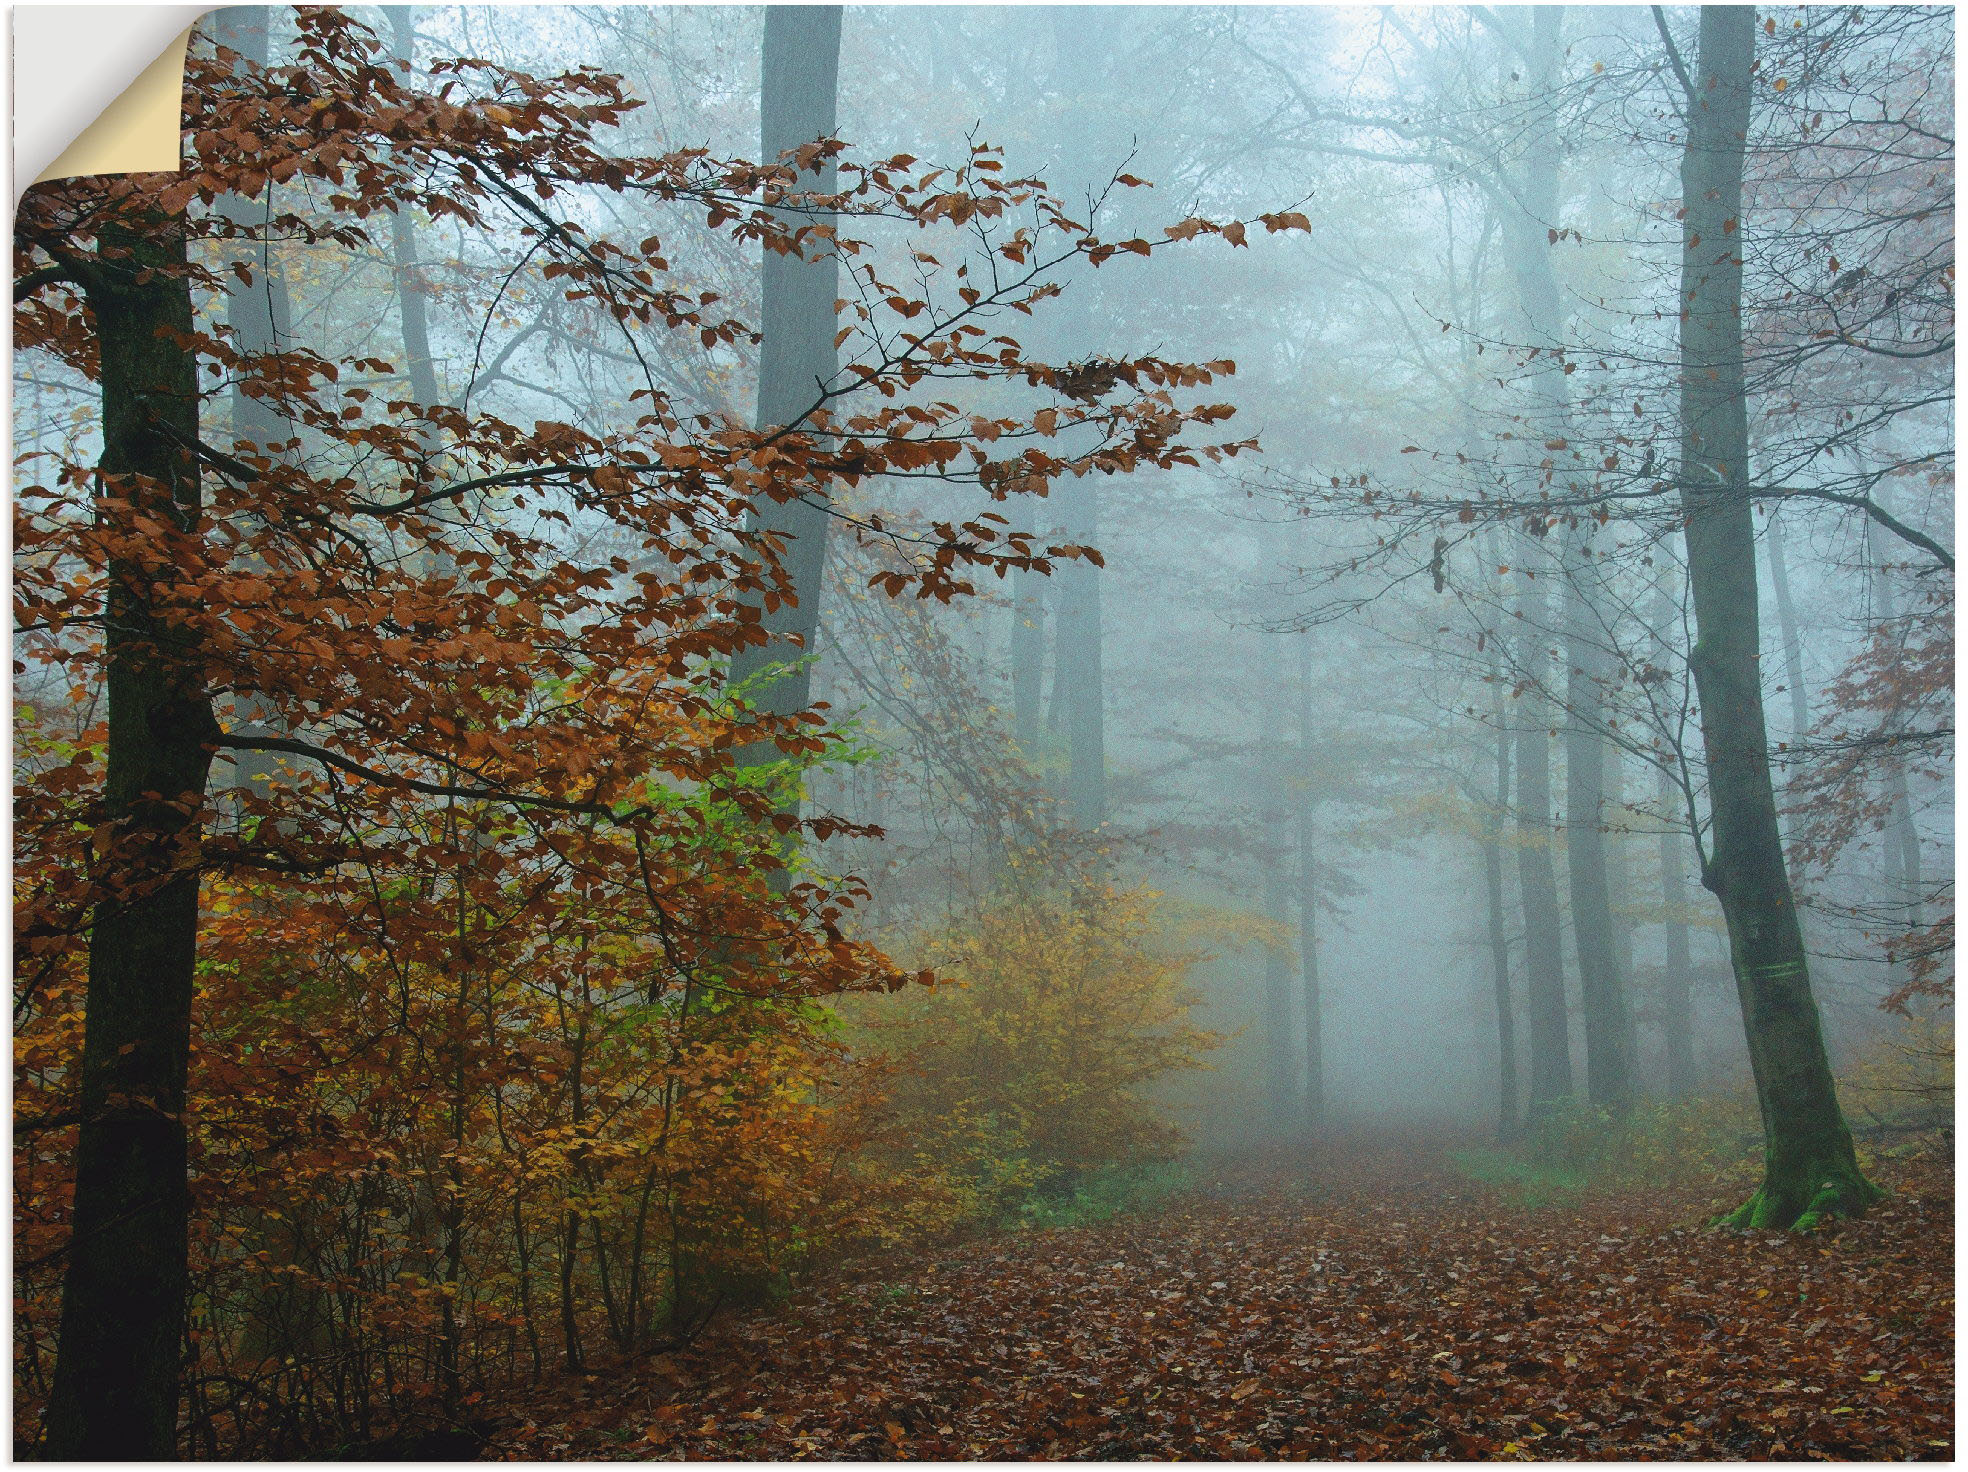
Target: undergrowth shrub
x,y
1901,1083
1026,1070
1102,1195
1897,1091
1574,1148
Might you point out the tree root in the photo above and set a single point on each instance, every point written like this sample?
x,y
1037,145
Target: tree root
x,y
1836,1192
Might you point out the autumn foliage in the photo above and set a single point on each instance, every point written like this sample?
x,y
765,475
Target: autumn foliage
x,y
511,1038
1031,1061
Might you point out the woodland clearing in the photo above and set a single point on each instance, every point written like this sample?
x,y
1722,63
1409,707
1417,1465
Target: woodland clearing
x,y
1361,1300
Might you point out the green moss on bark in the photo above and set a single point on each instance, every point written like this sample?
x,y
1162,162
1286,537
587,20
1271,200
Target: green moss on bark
x,y
1799,1200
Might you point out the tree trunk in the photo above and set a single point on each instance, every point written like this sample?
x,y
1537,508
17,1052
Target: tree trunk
x,y
1544,940
1280,1066
1678,967
1306,842
1901,835
1601,995
1280,1046
1083,45
1078,668
797,321
1793,644
1499,928
1619,895
408,267
1027,655
260,316
1810,1167
115,1391
1677,1001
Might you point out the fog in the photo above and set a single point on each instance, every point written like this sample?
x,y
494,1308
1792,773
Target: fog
x,y
1153,584
1385,368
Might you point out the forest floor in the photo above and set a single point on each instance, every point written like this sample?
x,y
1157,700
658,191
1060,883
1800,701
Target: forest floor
x,y
1366,1300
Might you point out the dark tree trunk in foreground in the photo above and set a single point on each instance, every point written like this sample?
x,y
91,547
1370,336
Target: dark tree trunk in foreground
x,y
1544,940
797,321
115,1391
1810,1168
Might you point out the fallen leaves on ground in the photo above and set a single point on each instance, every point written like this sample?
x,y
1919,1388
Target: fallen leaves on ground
x,y
1358,1301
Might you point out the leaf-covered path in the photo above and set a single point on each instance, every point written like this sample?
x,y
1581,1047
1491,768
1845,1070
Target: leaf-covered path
x,y
1406,1313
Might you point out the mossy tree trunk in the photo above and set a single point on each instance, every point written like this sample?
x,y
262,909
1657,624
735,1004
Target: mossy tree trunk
x,y
1810,1168
115,1390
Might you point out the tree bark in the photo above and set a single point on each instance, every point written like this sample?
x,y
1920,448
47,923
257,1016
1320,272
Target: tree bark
x,y
1810,1167
799,83
115,1390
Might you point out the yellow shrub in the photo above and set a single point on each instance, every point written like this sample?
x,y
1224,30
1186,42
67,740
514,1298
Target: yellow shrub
x,y
1029,1062
1903,1079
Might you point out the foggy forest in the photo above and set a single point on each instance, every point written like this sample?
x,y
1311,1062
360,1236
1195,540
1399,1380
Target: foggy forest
x,y
993,732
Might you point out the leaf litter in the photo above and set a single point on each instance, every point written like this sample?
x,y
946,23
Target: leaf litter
x,y
1358,1302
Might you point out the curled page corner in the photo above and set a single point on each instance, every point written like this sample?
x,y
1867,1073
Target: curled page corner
x,y
98,89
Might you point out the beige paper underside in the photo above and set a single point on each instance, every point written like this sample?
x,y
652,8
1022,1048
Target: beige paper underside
x,y
138,133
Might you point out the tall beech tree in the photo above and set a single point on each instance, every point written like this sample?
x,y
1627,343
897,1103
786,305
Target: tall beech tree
x,y
1533,227
1084,41
454,679
1550,1071
1810,1168
799,88
1305,846
123,1302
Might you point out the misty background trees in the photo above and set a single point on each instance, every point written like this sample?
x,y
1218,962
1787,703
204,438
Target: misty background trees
x,y
1552,719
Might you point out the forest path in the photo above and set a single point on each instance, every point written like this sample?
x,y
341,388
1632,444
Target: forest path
x,y
1358,1301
